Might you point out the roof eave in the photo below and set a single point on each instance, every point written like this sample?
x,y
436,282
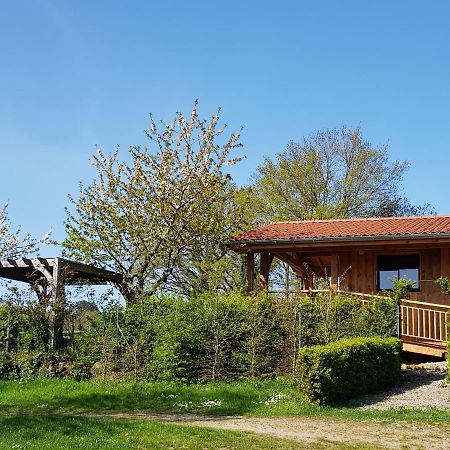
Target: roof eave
x,y
320,240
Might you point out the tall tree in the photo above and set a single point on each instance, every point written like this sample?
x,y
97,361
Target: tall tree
x,y
160,219
334,173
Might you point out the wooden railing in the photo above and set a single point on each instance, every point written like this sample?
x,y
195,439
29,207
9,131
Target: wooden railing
x,y
424,321
299,293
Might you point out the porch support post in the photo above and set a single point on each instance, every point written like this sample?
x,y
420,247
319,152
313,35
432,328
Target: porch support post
x,y
250,273
334,272
264,267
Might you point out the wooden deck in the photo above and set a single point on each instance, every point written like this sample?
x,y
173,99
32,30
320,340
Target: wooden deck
x,y
423,327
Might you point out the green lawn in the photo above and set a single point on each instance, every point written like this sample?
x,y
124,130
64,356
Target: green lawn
x,y
242,398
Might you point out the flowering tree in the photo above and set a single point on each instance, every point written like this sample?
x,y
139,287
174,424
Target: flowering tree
x,y
12,243
161,218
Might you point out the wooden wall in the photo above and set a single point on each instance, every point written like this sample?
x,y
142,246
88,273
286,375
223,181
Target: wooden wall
x,y
358,270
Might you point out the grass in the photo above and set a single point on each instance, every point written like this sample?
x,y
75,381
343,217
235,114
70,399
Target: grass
x,y
42,432
242,398
47,414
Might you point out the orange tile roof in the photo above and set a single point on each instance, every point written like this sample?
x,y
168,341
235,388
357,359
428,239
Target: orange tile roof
x,y
422,226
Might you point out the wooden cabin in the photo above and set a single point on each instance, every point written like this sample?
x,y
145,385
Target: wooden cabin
x,y
363,256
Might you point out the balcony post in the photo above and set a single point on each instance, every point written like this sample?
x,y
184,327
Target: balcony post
x,y
250,272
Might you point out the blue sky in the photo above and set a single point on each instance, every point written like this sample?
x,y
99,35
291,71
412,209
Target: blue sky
x,y
77,74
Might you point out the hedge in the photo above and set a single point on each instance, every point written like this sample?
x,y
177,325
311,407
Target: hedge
x,y
328,318
347,368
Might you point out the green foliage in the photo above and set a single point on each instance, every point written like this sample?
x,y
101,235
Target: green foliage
x,y
267,333
217,337
30,364
176,349
23,327
328,318
81,370
331,174
20,365
9,370
444,284
208,337
348,368
402,287
379,318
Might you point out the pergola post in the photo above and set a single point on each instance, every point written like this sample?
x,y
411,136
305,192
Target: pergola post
x,y
250,273
57,308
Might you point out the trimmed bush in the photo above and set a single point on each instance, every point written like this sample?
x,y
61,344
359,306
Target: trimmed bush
x,y
347,368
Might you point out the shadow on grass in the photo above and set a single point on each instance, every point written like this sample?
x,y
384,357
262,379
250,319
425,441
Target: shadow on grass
x,y
244,398
234,404
36,426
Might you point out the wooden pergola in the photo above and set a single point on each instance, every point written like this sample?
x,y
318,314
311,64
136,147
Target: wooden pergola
x,y
49,277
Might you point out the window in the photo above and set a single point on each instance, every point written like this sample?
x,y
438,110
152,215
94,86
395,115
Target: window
x,y
393,267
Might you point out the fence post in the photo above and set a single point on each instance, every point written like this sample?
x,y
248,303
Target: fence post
x,y
398,325
299,327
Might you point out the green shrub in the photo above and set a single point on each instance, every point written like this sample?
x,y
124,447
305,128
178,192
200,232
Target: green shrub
x,y
328,318
81,370
23,327
265,338
348,368
9,369
379,318
30,364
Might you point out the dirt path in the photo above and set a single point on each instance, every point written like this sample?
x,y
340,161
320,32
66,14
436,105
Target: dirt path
x,y
312,430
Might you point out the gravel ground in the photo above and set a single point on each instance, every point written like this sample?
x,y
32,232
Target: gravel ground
x,y
422,386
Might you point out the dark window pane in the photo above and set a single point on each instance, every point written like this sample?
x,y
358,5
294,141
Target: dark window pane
x,y
395,262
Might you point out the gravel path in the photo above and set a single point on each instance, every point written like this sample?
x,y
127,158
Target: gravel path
x,y
314,430
420,388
